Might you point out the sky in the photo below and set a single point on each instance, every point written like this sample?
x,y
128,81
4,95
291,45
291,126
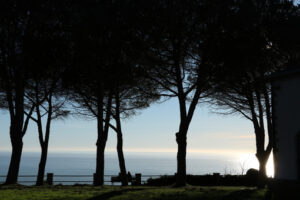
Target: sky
x,y
151,130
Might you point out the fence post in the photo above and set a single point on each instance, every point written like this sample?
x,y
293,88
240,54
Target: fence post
x,y
138,179
94,178
49,178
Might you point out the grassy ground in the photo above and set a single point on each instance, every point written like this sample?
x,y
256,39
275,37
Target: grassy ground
x,y
129,193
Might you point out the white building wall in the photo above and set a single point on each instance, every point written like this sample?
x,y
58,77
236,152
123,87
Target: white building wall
x,y
286,108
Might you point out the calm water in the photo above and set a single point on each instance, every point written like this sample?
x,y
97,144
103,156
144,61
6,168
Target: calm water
x,y
145,163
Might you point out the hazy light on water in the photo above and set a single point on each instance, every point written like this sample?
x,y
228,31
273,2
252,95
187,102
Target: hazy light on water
x,y
140,162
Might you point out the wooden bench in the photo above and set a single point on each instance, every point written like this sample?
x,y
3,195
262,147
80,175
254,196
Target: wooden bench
x,y
135,180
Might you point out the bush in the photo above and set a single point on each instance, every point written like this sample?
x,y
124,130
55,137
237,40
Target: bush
x,y
250,179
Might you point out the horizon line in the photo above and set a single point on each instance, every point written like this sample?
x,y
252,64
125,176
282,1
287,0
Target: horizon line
x,y
137,150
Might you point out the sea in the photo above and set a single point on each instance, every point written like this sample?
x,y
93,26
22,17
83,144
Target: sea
x,y
65,166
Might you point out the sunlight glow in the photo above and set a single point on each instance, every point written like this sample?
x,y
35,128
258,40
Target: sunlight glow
x,y
270,166
248,161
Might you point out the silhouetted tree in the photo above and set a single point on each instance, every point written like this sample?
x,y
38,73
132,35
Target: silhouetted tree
x,y
31,43
50,49
14,71
92,100
105,71
50,104
92,80
248,94
127,99
247,57
177,43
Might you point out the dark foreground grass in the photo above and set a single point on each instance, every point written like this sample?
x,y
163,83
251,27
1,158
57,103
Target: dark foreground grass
x,y
129,193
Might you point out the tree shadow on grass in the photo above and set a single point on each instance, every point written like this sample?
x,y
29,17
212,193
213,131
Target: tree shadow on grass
x,y
108,195
243,194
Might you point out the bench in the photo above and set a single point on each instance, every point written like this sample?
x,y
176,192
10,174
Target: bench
x,y
136,180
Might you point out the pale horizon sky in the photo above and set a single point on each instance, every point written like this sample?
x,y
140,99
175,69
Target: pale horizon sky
x,y
151,133
152,130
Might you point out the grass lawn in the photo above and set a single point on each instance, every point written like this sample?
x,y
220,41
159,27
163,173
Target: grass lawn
x,y
129,193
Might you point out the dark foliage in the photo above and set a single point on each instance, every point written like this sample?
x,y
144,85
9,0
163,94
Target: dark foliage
x,y
207,180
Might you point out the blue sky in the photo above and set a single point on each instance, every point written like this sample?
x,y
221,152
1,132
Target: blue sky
x,y
152,130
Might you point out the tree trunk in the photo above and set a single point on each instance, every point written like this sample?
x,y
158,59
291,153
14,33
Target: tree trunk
x,y
101,142
99,179
16,131
100,166
181,159
261,154
43,143
13,172
262,167
124,178
102,138
42,166
262,160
